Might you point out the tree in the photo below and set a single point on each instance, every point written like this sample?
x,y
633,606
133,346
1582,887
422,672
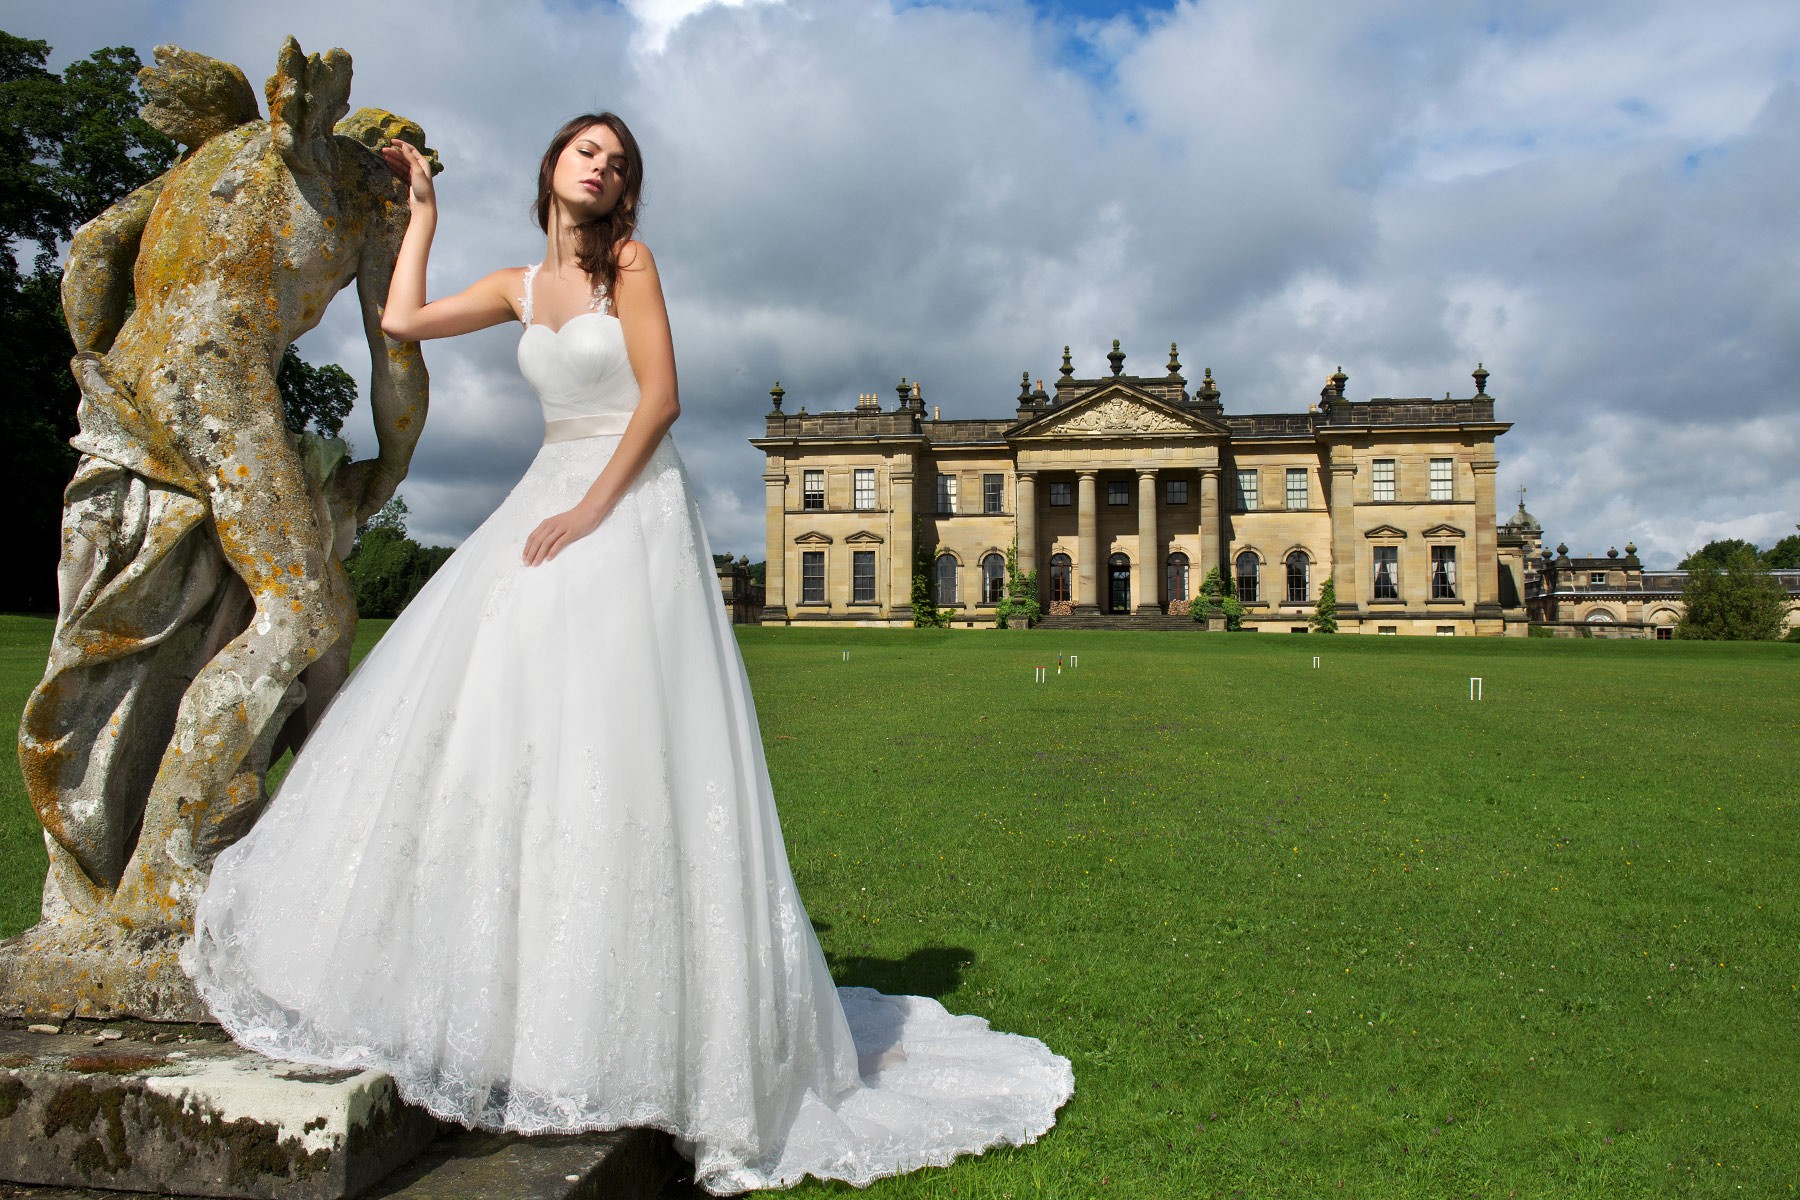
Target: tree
x,y
1021,600
316,398
70,145
1324,618
1742,602
1212,592
1717,552
924,598
387,568
1783,555
1234,613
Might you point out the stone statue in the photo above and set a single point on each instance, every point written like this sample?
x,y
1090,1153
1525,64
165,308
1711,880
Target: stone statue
x,y
205,615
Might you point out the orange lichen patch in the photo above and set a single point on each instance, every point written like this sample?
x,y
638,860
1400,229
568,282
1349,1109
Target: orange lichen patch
x,y
243,471
299,607
330,222
296,569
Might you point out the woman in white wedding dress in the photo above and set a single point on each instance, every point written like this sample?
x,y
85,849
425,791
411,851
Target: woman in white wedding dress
x,y
529,861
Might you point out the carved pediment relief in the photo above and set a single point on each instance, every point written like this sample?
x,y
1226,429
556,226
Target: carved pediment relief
x,y
1117,412
862,536
1444,531
1385,531
813,538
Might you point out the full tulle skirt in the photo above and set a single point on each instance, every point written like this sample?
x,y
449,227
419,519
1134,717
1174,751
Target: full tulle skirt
x,y
529,864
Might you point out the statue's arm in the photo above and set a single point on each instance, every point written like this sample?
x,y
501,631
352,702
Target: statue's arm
x,y
96,283
399,386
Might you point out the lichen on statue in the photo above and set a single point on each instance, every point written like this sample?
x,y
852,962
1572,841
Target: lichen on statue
x,y
205,616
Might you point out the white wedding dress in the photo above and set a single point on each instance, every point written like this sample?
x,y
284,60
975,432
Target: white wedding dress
x,y
529,861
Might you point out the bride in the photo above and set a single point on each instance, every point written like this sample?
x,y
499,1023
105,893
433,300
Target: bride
x,y
529,861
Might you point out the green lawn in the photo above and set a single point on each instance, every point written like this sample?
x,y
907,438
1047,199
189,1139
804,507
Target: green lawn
x,y
1305,932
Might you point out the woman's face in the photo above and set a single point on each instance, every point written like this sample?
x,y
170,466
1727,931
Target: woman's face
x,y
590,173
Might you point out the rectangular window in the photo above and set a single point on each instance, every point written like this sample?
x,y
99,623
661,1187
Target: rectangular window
x,y
1664,632
1246,491
1382,476
812,490
812,577
991,493
1297,629
1387,572
1443,572
1443,485
862,576
865,488
1118,492
1446,631
1175,491
1387,629
1596,578
1059,494
946,494
1296,487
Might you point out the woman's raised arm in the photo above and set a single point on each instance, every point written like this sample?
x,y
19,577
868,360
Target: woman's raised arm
x,y
407,317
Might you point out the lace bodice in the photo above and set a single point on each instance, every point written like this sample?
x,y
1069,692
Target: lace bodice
x,y
580,369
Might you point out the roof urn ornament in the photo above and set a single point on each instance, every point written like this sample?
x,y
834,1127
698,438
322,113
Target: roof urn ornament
x,y
1481,378
1174,363
1116,358
1338,380
1209,391
776,393
1024,387
1067,370
1612,552
904,391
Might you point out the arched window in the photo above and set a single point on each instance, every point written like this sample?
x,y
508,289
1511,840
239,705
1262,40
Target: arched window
x,y
1249,568
946,579
1299,577
1178,576
1060,578
1599,617
993,579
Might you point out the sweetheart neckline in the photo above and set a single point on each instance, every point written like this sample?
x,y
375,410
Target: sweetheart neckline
x,y
553,332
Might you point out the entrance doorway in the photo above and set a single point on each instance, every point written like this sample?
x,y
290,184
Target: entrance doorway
x,y
1118,590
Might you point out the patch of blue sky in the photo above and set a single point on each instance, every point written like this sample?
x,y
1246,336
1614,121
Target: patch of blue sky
x,y
1087,37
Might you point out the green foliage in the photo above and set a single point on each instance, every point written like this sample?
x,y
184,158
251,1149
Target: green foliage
x,y
1234,613
1742,602
1324,617
1539,631
1210,598
70,145
1717,552
924,596
316,398
1783,555
387,568
1020,603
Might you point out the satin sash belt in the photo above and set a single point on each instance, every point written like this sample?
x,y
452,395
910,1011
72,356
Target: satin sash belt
x,y
568,429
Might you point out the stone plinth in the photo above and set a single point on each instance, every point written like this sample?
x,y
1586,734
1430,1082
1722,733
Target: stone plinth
x,y
182,1111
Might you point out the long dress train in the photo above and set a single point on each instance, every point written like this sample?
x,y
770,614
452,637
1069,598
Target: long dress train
x,y
529,862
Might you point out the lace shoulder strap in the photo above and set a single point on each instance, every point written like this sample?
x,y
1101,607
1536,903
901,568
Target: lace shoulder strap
x,y
601,302
525,294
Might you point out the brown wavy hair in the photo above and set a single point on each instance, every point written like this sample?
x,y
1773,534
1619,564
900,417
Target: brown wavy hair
x,y
597,242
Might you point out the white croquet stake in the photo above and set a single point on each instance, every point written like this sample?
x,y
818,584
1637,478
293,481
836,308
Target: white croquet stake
x,y
1474,687
1039,675
1315,662
846,656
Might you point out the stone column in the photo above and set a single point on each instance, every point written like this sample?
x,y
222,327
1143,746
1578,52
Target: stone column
x,y
1211,553
900,545
1149,583
1027,520
1341,498
1087,540
1481,575
775,547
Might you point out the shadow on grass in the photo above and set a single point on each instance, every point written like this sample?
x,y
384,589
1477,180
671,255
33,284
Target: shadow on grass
x,y
934,971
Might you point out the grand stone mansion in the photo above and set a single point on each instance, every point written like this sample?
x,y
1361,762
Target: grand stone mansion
x,y
1123,491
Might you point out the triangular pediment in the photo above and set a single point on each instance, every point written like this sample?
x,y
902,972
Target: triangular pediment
x,y
1385,531
1444,531
864,535
813,538
1117,410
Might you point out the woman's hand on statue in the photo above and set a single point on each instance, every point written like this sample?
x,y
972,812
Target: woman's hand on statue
x,y
410,168
554,533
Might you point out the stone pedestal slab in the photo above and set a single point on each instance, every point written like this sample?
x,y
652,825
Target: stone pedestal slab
x,y
181,1111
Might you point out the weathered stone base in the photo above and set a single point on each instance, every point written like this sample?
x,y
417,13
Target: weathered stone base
x,y
185,1112
97,969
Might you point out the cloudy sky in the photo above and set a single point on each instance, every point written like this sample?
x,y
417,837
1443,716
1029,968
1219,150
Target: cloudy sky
x,y
1597,200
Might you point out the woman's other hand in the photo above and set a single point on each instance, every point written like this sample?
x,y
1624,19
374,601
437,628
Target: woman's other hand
x,y
555,533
